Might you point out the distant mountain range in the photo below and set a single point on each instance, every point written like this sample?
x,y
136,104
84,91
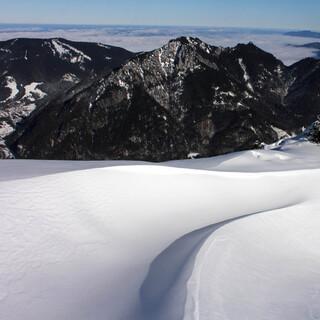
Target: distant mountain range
x,y
67,100
304,34
312,45
307,34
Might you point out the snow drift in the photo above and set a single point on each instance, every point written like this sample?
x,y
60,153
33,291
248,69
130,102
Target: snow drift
x,y
231,237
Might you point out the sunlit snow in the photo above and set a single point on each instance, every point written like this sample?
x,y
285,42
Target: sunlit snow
x,y
67,52
12,86
32,92
232,237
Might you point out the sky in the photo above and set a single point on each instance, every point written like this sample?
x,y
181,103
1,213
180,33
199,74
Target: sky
x,y
285,14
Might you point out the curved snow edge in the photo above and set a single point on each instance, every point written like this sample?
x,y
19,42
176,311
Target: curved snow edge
x,y
163,294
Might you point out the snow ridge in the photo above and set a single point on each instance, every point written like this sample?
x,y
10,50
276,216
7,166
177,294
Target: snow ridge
x,y
95,238
171,289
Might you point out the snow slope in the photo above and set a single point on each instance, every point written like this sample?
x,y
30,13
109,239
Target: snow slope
x,y
231,237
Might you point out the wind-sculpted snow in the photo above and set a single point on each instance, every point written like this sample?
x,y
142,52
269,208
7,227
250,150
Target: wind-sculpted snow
x,y
128,241
162,287
253,268
164,291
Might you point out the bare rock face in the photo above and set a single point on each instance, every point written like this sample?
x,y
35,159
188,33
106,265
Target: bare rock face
x,y
185,98
313,133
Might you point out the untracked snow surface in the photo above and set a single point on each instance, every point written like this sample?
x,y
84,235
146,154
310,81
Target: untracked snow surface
x,y
235,237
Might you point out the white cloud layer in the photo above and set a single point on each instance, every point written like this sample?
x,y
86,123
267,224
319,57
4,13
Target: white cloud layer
x,y
142,38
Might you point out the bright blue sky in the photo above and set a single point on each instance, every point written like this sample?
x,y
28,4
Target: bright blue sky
x,y
296,14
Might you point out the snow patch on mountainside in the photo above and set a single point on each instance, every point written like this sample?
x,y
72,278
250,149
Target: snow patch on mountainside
x,y
67,52
18,112
280,133
245,74
32,92
5,129
12,85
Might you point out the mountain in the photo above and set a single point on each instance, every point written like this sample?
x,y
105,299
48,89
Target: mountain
x,y
304,34
311,45
185,99
34,71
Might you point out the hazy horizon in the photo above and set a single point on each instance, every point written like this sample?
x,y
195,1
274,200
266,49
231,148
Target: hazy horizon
x,y
264,28
145,38
285,14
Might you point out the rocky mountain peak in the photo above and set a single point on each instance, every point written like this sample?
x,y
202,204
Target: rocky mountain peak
x,y
187,97
191,44
162,72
